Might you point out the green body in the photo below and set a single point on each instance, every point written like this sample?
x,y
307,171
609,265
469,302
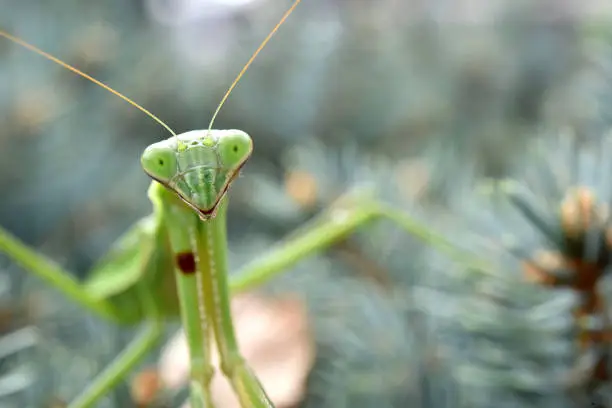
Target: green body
x,y
174,262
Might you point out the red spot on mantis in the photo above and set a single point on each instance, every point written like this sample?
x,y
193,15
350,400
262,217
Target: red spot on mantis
x,y
186,262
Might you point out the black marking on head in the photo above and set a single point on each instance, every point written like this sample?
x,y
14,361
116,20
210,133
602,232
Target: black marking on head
x,y
209,177
186,262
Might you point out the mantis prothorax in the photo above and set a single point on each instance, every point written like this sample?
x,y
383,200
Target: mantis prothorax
x,y
186,233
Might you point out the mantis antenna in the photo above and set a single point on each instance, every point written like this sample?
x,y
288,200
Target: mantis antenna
x,y
246,66
131,102
84,75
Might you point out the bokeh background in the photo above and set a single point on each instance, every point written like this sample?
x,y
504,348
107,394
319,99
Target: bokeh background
x,y
417,98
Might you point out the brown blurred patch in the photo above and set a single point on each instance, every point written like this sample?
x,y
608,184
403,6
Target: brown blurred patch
x,y
302,188
34,108
145,387
412,178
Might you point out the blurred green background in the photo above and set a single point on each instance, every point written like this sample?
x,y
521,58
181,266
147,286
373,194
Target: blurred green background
x,y
418,98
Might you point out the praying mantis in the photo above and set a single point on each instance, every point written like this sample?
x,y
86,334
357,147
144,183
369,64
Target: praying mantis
x,y
133,283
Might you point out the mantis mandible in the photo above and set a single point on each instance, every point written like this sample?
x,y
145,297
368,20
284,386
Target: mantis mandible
x,y
186,233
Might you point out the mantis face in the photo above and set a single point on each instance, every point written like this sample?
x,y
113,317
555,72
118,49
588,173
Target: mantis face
x,y
198,166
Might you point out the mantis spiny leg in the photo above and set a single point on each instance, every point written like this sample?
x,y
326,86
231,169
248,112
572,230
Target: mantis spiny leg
x,y
212,254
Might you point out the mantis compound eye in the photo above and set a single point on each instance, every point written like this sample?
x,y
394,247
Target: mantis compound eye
x,y
234,148
159,162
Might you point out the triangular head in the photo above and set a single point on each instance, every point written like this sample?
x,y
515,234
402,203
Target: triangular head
x,y
199,165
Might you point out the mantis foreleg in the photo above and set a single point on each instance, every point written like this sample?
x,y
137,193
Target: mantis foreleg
x,y
200,249
182,225
212,255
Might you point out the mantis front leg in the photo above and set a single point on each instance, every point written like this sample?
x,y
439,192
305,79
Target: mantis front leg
x,y
200,250
212,256
182,226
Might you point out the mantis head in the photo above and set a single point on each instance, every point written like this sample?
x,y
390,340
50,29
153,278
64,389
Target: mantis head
x,y
198,166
